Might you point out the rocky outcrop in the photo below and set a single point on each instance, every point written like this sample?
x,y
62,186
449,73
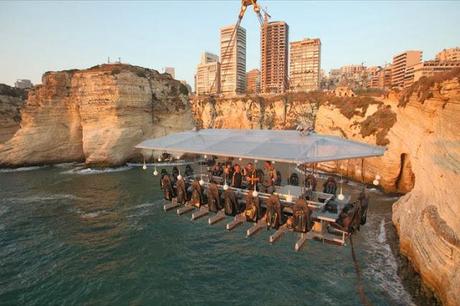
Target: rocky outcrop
x,y
96,115
427,218
11,101
420,128
361,118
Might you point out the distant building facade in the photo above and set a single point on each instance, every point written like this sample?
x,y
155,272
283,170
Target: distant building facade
x,y
233,60
430,68
451,54
402,71
305,65
171,71
380,78
274,51
253,81
207,78
23,84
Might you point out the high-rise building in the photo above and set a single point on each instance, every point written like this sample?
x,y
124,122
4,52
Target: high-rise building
x,y
274,49
305,65
233,60
171,71
402,74
253,81
207,78
451,54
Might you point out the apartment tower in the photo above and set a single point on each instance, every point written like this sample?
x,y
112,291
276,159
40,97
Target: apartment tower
x,y
402,68
207,78
233,60
274,49
253,81
305,65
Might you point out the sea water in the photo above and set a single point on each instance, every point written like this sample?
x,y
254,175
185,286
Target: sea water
x,y
76,236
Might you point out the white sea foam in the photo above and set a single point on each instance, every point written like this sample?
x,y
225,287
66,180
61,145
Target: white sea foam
x,y
22,169
383,268
92,214
43,198
91,171
67,165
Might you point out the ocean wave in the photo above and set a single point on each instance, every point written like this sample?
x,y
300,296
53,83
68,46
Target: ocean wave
x,y
92,214
43,198
3,210
22,169
383,268
68,165
91,171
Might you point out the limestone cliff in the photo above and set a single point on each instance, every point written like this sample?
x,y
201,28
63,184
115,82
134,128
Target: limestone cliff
x,y
351,117
420,128
96,115
11,101
427,219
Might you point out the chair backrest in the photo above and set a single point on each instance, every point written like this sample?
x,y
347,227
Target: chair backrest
x,y
330,186
294,179
167,187
181,192
230,203
252,210
273,213
197,194
213,198
301,216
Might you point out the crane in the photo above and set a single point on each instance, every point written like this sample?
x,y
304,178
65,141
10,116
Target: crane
x,y
262,20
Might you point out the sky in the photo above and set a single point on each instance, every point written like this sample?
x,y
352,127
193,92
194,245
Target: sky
x,y
40,36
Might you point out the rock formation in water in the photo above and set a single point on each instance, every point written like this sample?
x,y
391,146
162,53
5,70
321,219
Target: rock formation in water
x,y
11,101
96,115
420,128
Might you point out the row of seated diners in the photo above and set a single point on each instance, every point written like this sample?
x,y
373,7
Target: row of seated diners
x,y
314,214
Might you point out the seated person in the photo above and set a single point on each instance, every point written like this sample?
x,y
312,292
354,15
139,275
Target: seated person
x,y
228,172
174,173
188,171
251,176
269,177
310,182
237,178
278,178
216,170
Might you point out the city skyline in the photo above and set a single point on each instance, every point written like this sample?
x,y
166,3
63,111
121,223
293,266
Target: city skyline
x,y
57,36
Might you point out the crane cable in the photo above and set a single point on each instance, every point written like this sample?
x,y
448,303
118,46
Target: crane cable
x,y
359,287
237,25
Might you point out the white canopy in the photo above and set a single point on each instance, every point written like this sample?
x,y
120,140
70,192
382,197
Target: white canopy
x,y
274,145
